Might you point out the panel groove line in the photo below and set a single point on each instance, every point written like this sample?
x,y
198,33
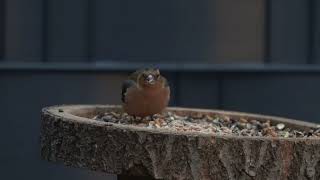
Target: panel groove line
x,y
90,29
2,28
311,33
186,67
44,31
316,32
267,31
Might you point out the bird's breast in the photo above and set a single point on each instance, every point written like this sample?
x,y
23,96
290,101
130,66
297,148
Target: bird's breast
x,y
141,102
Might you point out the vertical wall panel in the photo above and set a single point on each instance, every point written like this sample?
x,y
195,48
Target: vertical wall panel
x,y
23,29
67,30
289,31
198,90
2,32
239,31
153,30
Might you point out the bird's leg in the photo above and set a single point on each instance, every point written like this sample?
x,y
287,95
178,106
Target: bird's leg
x,y
153,117
138,118
133,119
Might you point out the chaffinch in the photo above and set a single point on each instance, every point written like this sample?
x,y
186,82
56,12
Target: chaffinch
x,y
145,93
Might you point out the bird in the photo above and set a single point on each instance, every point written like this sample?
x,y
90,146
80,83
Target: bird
x,y
145,93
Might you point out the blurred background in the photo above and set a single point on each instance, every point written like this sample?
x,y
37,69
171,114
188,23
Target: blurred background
x,y
259,56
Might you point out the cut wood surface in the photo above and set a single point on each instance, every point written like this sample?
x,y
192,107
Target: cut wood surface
x,y
68,135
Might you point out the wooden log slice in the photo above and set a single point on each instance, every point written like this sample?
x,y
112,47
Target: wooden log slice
x,y
70,136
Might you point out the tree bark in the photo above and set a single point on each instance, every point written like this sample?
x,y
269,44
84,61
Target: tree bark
x,y
163,154
124,177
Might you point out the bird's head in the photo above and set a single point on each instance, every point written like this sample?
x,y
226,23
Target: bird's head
x,y
150,78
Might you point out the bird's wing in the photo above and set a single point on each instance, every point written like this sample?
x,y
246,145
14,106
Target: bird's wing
x,y
125,85
134,75
165,81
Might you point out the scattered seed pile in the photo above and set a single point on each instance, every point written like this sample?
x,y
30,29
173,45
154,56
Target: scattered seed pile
x,y
217,124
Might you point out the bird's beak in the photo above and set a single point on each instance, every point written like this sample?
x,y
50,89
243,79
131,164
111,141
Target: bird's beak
x,y
150,79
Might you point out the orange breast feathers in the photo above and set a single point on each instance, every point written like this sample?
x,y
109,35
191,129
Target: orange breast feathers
x,y
142,103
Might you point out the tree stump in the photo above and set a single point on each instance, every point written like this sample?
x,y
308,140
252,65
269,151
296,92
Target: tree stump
x,y
69,136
